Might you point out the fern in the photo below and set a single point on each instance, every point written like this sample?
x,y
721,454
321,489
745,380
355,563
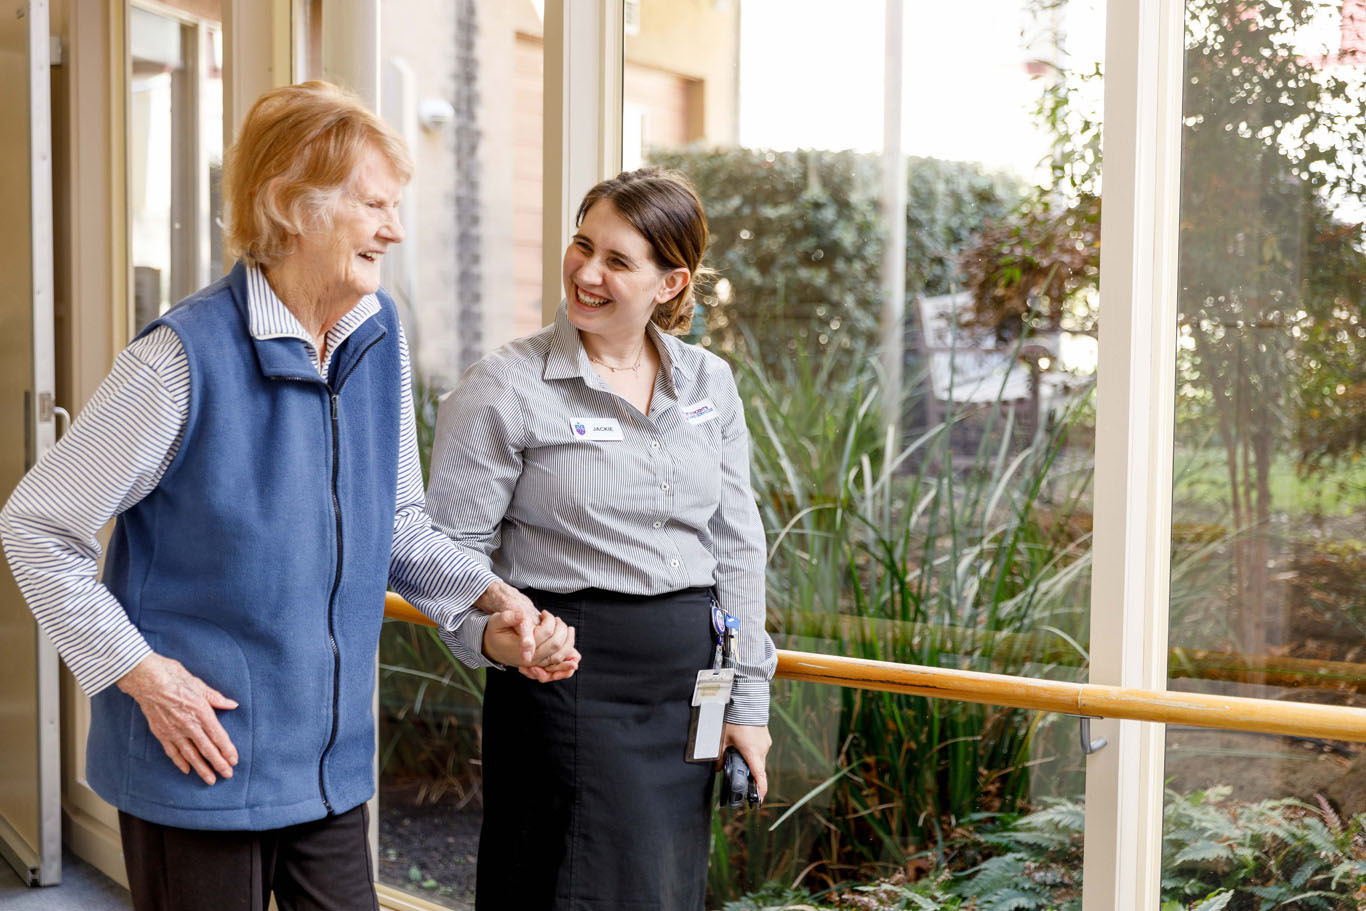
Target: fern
x,y
1203,852
1013,900
1218,855
1215,902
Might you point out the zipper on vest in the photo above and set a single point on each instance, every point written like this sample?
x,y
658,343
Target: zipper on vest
x,y
331,604
334,396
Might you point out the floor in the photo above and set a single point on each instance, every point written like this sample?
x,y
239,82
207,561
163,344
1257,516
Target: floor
x,y
83,888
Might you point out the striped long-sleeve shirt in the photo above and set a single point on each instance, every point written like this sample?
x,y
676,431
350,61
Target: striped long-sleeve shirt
x,y
116,452
553,480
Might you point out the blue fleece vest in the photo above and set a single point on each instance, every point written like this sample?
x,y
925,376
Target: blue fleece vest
x,y
260,563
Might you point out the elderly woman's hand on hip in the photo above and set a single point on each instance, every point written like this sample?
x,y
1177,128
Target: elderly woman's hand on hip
x,y
179,708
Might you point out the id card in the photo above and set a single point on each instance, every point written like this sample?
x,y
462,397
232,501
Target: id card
x,y
713,685
710,696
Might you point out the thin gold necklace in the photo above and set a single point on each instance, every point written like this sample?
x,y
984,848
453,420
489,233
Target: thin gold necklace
x,y
633,368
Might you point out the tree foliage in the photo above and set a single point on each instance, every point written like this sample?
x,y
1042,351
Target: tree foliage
x,y
797,238
1271,299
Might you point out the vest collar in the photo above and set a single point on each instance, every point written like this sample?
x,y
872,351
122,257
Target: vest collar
x,y
283,347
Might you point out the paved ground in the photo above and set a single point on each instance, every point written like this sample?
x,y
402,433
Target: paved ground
x,y
83,888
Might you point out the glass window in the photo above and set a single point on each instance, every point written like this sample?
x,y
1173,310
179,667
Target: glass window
x,y
940,516
462,81
175,154
1268,541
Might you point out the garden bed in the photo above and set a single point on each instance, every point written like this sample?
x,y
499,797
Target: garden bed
x,y
428,849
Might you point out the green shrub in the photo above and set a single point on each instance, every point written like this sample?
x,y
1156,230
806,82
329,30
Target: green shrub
x,y
797,235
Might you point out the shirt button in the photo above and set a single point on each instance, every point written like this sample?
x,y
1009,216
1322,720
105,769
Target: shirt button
x,y
659,524
664,486
674,564
654,444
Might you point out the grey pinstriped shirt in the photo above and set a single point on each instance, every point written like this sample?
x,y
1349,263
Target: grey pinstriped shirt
x,y
118,449
544,474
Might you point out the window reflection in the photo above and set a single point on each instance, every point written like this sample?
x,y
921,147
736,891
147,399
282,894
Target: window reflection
x,y
964,541
462,81
961,538
1268,489
175,152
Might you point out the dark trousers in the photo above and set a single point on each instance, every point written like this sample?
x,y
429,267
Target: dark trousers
x,y
315,866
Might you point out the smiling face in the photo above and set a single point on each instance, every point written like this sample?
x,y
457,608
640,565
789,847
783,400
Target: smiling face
x,y
345,259
611,281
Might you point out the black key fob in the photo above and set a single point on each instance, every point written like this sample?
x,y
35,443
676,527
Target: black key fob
x,y
737,784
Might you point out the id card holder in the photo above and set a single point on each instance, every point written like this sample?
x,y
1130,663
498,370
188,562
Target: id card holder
x,y
710,696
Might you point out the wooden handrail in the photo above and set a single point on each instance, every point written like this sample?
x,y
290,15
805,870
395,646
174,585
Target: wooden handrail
x,y
1296,719
1005,647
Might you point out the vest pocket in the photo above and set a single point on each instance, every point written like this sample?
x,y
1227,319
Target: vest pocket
x,y
211,653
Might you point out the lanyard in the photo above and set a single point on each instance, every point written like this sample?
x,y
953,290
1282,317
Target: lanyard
x,y
726,626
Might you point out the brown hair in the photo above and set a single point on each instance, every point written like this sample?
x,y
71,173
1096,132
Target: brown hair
x,y
295,154
662,206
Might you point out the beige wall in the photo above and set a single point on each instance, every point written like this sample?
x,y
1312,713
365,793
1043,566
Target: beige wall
x,y
680,77
527,137
430,316
699,40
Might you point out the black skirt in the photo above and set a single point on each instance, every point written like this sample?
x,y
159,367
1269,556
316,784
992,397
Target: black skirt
x,y
588,802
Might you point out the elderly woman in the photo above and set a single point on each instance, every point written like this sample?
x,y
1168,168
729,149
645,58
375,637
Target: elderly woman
x,y
257,446
602,466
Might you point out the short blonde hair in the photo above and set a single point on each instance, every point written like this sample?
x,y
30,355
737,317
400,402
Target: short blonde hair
x,y
295,154
663,206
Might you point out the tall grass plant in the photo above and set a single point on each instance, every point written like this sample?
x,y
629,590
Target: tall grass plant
x,y
965,545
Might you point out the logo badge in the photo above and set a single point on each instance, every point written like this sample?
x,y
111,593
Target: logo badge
x,y
579,428
700,412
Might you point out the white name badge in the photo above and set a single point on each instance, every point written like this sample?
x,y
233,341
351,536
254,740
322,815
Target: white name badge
x,y
700,412
596,429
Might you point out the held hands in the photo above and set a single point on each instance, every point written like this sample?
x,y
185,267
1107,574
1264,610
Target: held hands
x,y
753,741
179,708
538,644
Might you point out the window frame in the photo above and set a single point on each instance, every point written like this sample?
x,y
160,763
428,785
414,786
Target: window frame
x,y
1136,380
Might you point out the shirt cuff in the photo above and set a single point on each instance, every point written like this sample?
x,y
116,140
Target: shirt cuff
x,y
466,641
474,586
93,680
748,701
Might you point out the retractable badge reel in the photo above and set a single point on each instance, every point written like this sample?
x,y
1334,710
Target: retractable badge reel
x,y
711,693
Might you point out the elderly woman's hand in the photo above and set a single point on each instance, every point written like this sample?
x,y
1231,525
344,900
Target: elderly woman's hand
x,y
179,708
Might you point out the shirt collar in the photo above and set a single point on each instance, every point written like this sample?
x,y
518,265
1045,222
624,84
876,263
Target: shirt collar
x,y
567,359
268,317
